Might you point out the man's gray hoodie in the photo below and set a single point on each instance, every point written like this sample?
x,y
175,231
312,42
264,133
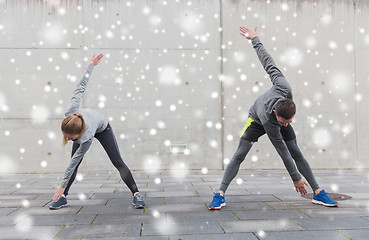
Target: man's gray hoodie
x,y
262,110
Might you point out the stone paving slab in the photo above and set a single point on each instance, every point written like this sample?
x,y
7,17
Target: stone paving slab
x,y
203,216
333,223
269,214
355,203
100,231
271,191
5,211
247,206
154,201
63,219
292,196
29,232
45,210
302,235
184,207
169,227
172,194
293,205
131,238
175,200
220,236
258,225
335,212
15,203
97,209
127,218
355,234
100,195
11,220
15,196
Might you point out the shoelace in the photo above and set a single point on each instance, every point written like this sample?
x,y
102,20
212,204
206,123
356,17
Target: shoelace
x,y
216,197
58,199
139,197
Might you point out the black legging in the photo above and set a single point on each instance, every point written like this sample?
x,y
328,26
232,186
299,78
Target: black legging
x,y
109,143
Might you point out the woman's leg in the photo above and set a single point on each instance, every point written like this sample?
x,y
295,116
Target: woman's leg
x,y
71,180
109,143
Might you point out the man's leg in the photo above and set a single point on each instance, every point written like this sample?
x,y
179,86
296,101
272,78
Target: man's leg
x,y
71,180
234,165
251,133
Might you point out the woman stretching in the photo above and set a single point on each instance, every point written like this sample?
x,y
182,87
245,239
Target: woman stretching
x,y
81,126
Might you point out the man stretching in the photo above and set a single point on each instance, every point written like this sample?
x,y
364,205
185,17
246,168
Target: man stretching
x,y
272,113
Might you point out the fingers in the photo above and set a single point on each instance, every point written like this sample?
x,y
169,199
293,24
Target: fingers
x,y
98,57
256,28
302,191
55,197
245,31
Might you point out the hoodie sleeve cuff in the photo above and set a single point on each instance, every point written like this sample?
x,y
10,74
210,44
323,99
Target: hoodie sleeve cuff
x,y
255,40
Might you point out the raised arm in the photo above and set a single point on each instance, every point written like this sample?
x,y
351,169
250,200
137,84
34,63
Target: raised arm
x,y
264,57
80,89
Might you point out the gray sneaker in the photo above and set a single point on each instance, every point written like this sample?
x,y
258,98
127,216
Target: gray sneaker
x,y
138,201
60,203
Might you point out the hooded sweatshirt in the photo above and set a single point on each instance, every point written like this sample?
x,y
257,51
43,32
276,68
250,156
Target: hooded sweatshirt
x,y
95,123
262,109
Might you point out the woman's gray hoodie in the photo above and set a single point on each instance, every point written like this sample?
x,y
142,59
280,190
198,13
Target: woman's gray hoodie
x,y
95,123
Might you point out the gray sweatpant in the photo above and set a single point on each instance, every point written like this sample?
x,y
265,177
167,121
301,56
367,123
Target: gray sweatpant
x,y
245,146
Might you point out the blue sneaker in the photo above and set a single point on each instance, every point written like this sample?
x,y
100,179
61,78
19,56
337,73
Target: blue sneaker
x,y
323,199
218,202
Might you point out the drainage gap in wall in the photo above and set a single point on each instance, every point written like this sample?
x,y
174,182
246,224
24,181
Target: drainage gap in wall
x,y
179,148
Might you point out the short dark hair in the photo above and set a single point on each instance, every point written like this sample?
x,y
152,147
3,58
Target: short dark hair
x,y
285,108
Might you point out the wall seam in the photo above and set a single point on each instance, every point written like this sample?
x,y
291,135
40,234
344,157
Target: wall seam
x,y
221,82
355,165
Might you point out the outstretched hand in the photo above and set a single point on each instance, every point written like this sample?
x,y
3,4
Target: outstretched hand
x,y
247,33
299,186
95,60
58,193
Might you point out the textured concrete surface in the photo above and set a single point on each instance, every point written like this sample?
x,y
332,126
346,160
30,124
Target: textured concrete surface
x,y
263,206
178,72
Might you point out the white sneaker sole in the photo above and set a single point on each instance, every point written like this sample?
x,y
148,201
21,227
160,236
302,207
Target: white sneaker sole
x,y
217,208
54,208
139,206
324,204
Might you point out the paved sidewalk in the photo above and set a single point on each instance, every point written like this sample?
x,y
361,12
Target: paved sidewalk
x,y
263,206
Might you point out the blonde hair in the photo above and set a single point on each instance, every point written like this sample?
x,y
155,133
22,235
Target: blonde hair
x,y
73,125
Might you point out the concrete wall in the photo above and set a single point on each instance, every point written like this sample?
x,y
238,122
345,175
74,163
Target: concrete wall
x,y
178,72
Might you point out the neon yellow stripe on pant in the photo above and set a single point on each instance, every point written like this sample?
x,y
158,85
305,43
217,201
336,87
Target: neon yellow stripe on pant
x,y
248,123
